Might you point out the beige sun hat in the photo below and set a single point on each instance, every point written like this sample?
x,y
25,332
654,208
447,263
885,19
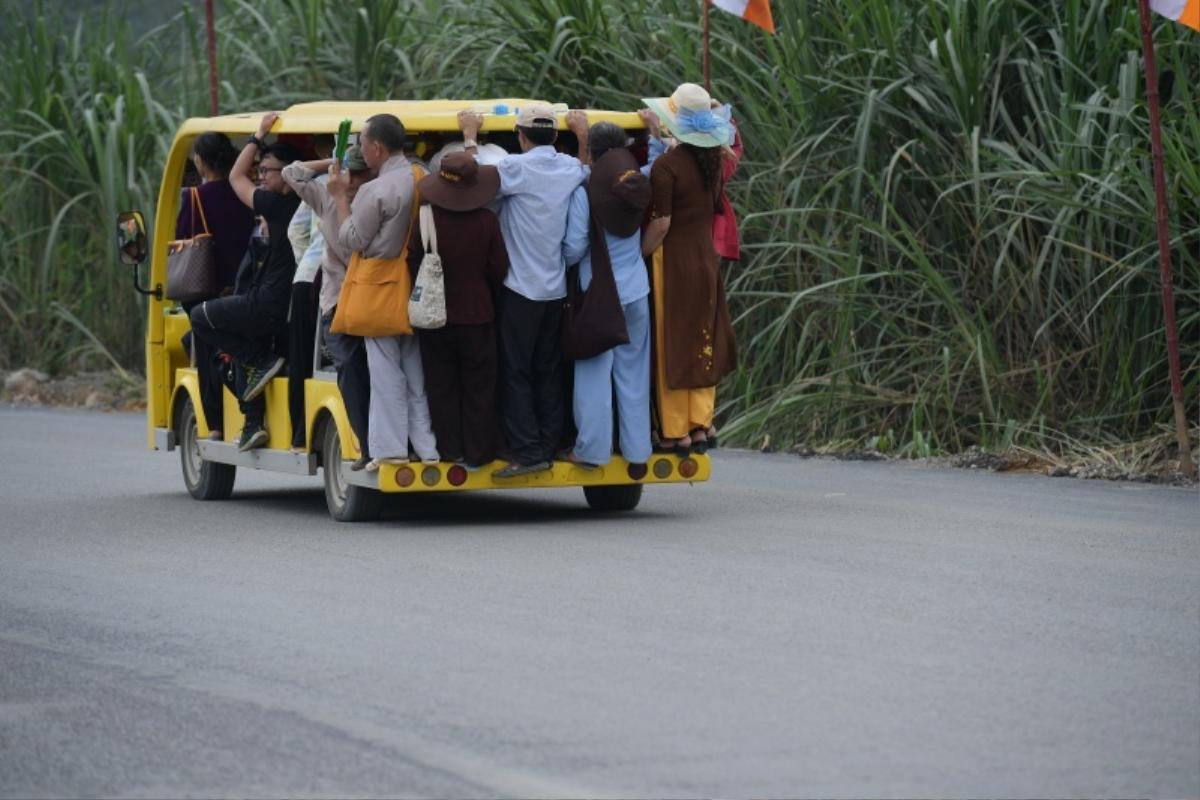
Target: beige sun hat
x,y
689,116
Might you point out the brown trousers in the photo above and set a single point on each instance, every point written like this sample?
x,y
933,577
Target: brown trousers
x,y
461,363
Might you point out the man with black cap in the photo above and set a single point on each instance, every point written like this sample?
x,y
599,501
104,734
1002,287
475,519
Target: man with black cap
x,y
617,195
536,185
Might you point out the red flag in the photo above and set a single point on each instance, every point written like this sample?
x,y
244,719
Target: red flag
x,y
754,11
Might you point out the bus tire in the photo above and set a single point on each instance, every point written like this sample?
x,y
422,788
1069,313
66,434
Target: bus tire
x,y
346,502
613,498
205,480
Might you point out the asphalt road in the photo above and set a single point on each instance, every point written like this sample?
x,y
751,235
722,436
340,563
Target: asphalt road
x,y
793,628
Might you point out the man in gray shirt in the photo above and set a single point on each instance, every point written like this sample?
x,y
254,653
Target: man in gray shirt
x,y
308,179
376,225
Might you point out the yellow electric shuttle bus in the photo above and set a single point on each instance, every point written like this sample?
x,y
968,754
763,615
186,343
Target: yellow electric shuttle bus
x,y
174,415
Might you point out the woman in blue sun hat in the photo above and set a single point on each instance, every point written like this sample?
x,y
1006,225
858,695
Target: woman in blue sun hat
x,y
693,337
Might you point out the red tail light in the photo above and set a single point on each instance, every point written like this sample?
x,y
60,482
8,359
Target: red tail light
x,y
457,475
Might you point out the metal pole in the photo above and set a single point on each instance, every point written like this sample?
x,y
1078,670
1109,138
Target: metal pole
x,y
1164,243
707,79
212,57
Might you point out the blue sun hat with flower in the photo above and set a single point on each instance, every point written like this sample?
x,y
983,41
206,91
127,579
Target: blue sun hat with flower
x,y
690,117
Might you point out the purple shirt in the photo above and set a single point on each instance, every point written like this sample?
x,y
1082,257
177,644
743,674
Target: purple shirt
x,y
229,221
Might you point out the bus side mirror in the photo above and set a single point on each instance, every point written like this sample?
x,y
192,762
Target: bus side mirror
x,y
131,244
131,238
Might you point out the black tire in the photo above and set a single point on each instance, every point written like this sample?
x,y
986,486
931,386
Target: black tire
x,y
613,498
346,502
205,480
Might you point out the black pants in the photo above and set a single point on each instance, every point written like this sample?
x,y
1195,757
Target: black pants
x,y
354,381
533,404
208,370
236,325
461,363
302,331
233,375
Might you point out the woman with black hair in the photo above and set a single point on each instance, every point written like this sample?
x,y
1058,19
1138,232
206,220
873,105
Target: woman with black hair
x,y
694,344
230,223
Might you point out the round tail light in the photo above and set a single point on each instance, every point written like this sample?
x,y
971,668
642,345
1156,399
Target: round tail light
x,y
662,469
688,468
430,476
405,477
637,471
457,475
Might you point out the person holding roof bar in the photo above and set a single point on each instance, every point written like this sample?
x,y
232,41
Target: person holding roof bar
x,y
536,185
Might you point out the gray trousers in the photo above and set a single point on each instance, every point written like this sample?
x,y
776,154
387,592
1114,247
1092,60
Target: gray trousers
x,y
399,409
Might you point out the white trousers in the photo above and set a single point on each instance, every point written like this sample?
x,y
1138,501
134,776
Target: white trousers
x,y
399,410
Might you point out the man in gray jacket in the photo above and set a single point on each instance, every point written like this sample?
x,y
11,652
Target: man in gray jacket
x,y
376,224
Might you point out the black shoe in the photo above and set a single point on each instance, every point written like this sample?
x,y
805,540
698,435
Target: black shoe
x,y
258,375
515,469
361,464
252,438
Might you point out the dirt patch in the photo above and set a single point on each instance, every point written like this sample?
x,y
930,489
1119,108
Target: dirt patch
x,y
102,391
1150,461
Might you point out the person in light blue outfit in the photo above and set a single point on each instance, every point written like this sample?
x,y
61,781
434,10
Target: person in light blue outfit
x,y
618,195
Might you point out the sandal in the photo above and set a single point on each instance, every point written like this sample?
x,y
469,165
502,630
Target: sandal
x,y
682,446
699,441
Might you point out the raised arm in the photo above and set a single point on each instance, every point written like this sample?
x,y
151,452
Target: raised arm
x,y
575,240
302,177
239,178
577,123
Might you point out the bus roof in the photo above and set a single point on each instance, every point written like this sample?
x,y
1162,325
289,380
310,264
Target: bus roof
x,y
417,115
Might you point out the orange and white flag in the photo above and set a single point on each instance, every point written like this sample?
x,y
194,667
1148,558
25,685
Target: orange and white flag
x,y
755,11
1185,11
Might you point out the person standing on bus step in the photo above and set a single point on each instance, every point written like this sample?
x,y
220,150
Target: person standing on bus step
x,y
376,225
694,342
310,180
239,324
230,224
536,185
461,359
308,247
617,195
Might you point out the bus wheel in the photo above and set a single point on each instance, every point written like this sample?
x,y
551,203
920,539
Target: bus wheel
x,y
613,498
346,502
205,480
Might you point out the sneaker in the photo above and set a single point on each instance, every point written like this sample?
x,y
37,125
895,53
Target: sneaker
x,y
516,469
360,464
252,438
259,375
375,463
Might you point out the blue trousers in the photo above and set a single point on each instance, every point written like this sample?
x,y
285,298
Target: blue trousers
x,y
625,371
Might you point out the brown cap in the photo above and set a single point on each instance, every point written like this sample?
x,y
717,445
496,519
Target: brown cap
x,y
460,184
618,193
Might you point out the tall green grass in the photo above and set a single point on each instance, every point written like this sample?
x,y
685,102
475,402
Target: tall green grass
x,y
946,205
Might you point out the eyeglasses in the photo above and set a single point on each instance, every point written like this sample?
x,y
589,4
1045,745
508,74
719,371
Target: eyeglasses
x,y
264,171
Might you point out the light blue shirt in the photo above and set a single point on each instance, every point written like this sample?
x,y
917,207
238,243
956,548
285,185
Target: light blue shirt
x,y
537,186
655,148
629,270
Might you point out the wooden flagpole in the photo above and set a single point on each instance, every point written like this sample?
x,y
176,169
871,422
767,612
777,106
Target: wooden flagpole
x,y
212,57
1164,242
707,76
